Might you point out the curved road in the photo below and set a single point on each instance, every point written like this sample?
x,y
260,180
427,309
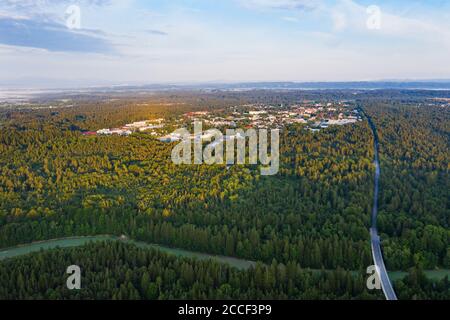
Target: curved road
x,y
377,254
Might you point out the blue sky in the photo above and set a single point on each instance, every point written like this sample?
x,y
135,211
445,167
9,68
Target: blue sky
x,y
179,41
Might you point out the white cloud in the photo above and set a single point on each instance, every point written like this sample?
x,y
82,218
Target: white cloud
x,y
352,17
349,16
339,20
324,43
291,19
281,4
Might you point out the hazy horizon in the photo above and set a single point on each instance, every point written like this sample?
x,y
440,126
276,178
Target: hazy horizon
x,y
54,84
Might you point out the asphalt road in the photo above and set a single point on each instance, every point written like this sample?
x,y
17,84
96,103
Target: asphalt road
x,y
377,254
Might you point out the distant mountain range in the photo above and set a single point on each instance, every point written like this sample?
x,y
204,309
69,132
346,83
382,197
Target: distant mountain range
x,y
356,85
85,85
11,94
360,85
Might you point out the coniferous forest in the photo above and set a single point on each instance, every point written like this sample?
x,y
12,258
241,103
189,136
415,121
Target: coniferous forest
x,y
56,182
115,270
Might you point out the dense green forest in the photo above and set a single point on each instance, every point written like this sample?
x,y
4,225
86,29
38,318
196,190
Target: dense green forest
x,y
59,183
55,182
415,183
114,270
